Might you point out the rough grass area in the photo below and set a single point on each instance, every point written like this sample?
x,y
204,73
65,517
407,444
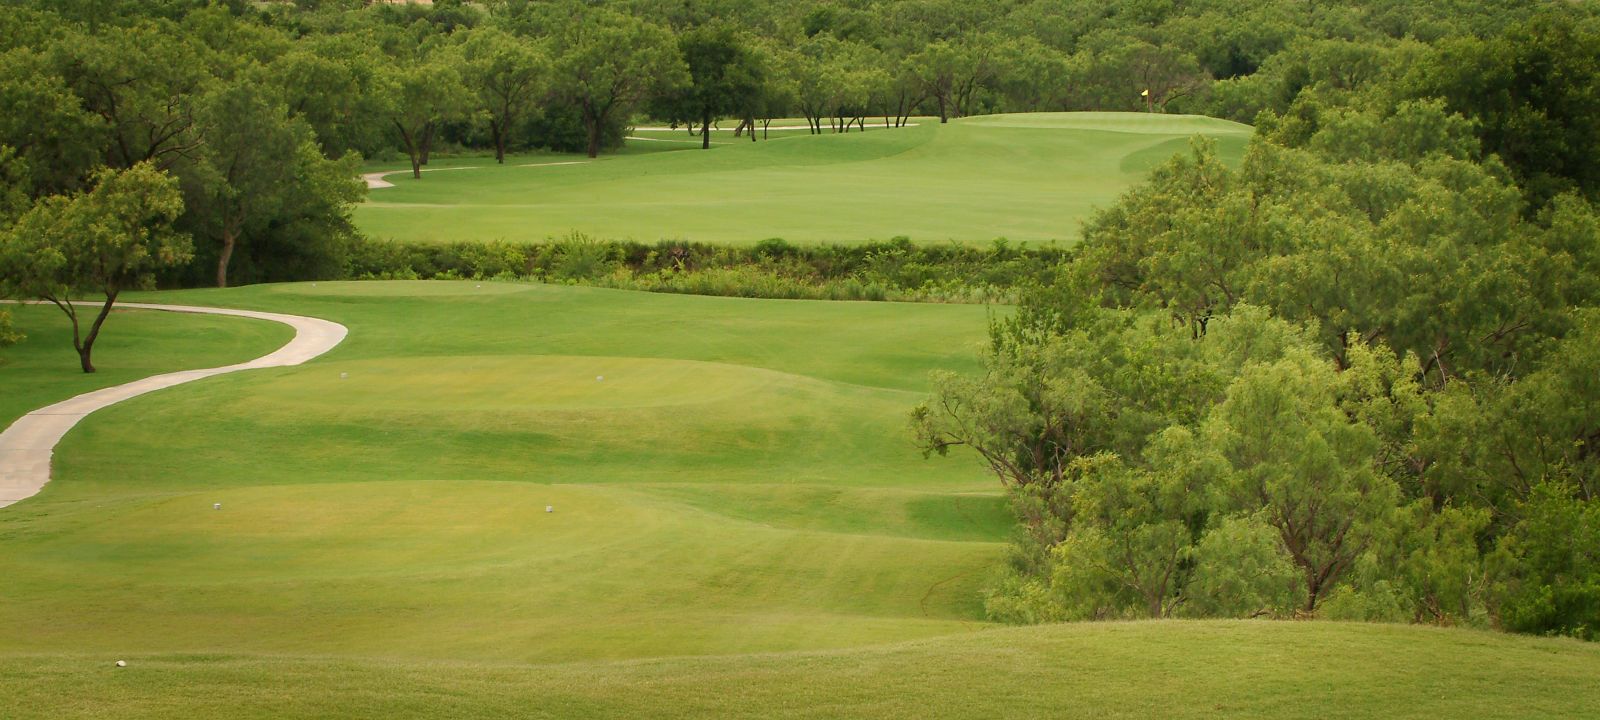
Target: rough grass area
x,y
1029,178
1212,669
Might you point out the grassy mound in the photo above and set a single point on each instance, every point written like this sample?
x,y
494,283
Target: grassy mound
x,y
1027,178
727,476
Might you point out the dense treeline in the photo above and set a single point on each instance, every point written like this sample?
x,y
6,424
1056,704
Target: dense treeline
x,y
1357,376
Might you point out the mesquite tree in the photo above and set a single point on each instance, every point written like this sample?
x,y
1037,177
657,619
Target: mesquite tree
x,y
104,241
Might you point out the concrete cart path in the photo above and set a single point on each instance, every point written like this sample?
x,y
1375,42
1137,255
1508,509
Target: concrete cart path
x,y
26,446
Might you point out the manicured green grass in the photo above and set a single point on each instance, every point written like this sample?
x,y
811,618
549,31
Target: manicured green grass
x,y
741,480
1029,178
1234,669
742,527
43,369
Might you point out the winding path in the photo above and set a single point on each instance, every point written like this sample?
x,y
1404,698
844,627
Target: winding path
x,y
26,446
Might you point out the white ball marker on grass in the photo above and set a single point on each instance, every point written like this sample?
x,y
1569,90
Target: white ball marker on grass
x,y
599,378
122,663
216,506
549,508
344,376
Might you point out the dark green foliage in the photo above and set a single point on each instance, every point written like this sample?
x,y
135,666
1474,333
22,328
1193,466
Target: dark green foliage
x,y
1366,355
1534,94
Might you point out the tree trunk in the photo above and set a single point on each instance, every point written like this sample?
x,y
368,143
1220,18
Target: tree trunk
x,y
411,150
499,142
86,346
229,238
705,133
593,126
427,142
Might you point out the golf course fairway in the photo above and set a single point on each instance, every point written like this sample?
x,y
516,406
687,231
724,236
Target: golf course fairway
x,y
1028,178
520,500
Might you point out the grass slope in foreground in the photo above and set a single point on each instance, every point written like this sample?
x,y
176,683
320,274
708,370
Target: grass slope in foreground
x,y
742,528
1211,669
741,480
1030,178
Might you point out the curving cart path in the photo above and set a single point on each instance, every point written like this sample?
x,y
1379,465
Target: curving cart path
x,y
26,446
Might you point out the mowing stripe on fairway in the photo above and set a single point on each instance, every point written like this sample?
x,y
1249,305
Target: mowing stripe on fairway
x,y
26,447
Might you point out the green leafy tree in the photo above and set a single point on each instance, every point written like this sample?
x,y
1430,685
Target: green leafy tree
x,y
724,77
1532,92
608,63
420,97
256,174
332,83
143,82
509,76
46,126
1309,469
1130,550
1242,570
107,240
1551,560
950,72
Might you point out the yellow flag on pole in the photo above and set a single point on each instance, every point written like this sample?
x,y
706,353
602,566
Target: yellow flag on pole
x,y
1146,93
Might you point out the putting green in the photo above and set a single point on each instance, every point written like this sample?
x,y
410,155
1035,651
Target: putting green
x,y
1029,178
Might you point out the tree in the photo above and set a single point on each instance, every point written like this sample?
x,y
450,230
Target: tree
x,y
509,76
420,97
1310,470
333,84
107,240
725,76
1532,91
252,176
1130,549
142,82
949,72
46,126
607,63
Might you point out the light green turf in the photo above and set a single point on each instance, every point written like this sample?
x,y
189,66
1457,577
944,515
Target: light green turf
x,y
43,369
741,480
742,527
1234,669
1029,178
